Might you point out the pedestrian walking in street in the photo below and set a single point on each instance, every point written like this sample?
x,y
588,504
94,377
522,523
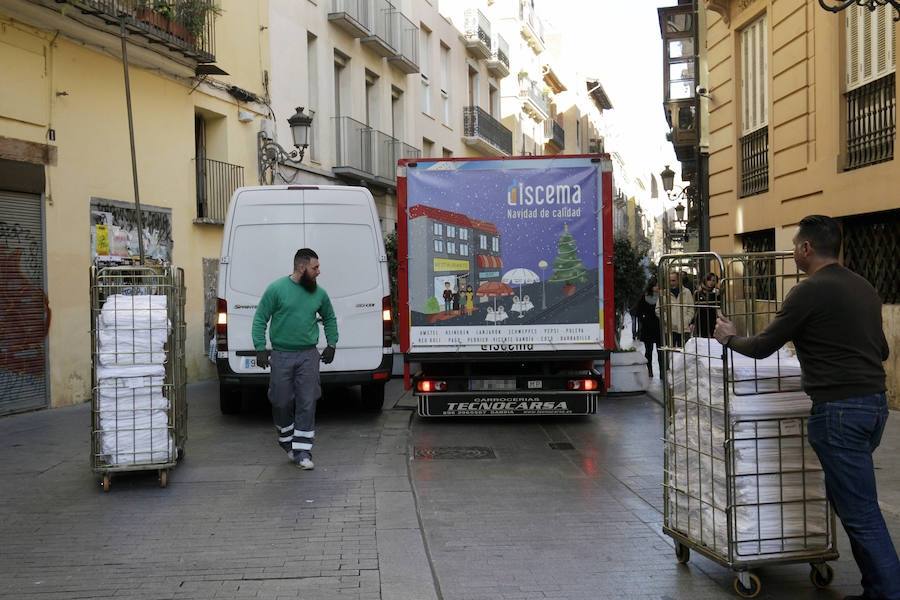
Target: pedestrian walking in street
x,y
681,311
708,300
289,307
648,323
834,320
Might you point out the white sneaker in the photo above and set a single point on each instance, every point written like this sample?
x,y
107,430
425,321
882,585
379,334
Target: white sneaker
x,y
290,454
306,464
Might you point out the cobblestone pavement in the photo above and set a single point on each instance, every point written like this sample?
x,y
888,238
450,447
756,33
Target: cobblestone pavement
x,y
239,521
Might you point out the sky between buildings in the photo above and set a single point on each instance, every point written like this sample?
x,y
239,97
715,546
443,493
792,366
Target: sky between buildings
x,y
619,42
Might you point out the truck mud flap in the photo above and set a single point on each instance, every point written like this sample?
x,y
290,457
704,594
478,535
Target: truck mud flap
x,y
453,405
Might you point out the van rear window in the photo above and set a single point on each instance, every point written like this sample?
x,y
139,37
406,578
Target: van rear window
x,y
260,254
348,255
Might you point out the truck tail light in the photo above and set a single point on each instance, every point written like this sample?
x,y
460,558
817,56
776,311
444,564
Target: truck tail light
x,y
427,386
387,322
221,325
582,385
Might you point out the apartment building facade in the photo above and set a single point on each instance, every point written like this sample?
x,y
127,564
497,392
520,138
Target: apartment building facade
x,y
65,167
802,114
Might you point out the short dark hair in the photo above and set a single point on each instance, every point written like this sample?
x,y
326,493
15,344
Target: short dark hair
x,y
823,234
303,256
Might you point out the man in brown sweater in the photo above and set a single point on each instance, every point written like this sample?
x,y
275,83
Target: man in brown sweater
x,y
833,317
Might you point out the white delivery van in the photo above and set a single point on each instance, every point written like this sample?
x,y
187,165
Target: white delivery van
x,y
265,226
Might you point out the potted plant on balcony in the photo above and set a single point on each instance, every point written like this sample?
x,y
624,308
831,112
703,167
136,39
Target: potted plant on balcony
x,y
191,17
158,14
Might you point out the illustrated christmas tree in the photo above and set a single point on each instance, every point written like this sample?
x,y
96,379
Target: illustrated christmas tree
x,y
567,267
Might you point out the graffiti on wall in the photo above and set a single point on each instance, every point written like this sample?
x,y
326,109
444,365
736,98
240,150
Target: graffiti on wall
x,y
24,316
114,237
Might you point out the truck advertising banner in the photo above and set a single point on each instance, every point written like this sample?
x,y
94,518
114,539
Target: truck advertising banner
x,y
504,255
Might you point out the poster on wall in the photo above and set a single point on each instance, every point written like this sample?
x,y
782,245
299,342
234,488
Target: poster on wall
x,y
507,255
114,238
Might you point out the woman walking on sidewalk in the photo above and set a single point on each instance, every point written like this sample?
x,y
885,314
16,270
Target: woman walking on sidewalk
x,y
648,322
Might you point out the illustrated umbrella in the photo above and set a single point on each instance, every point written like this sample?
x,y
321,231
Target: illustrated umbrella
x,y
494,289
520,277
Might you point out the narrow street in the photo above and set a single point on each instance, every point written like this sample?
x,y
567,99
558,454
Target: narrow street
x,y
522,520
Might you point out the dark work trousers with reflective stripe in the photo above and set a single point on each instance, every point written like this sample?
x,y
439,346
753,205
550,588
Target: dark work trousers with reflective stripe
x,y
293,391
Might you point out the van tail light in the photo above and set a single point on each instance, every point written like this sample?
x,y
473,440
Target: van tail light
x,y
221,325
582,385
426,386
387,322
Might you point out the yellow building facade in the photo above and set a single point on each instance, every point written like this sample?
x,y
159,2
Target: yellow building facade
x,y
65,162
801,121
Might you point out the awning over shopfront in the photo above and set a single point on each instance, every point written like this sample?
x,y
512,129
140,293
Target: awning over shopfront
x,y
486,261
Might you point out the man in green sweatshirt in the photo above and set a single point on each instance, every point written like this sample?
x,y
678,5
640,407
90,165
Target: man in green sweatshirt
x,y
289,307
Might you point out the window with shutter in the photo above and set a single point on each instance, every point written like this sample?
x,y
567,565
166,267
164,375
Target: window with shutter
x,y
870,89
754,140
870,45
755,75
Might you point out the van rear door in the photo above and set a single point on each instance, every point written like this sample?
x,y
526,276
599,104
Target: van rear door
x,y
341,226
266,231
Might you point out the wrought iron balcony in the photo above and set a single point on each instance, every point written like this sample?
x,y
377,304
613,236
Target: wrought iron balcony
x,y
354,149
532,27
498,63
555,134
180,29
871,122
755,162
407,43
384,39
477,35
216,182
534,100
352,16
484,132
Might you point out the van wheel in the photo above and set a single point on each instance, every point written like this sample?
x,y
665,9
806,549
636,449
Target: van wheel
x,y
373,396
229,399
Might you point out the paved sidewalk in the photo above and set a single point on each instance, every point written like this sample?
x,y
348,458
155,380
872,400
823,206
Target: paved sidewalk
x,y
237,520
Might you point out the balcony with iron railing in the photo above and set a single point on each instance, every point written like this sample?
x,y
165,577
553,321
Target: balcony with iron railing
x,y
182,30
871,123
485,133
383,39
532,27
755,162
352,16
216,182
406,33
555,134
534,100
477,36
498,63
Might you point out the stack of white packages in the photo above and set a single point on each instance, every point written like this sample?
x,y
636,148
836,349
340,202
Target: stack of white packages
x,y
778,488
134,411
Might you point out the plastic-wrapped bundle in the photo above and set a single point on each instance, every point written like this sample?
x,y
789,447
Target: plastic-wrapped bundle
x,y
136,436
132,346
135,312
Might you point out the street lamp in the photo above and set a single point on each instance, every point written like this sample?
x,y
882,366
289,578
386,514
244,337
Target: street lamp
x,y
836,6
543,267
668,179
270,152
679,212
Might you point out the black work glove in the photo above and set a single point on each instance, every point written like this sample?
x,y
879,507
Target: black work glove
x,y
328,355
262,359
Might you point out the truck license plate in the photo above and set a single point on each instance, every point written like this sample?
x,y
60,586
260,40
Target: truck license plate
x,y
492,385
250,363
535,385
